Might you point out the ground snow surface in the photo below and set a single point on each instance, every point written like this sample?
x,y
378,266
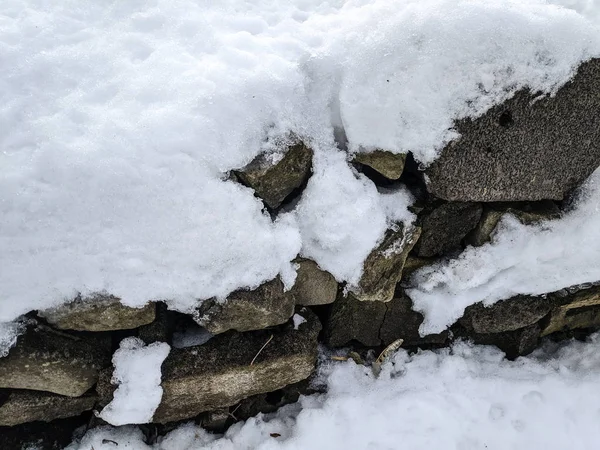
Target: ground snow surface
x,y
137,376
467,397
121,119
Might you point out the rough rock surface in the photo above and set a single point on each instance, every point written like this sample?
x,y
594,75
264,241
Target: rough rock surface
x,y
313,286
231,367
525,149
99,313
273,182
18,407
383,267
507,315
444,227
388,164
526,213
581,310
263,307
514,343
414,263
160,330
44,360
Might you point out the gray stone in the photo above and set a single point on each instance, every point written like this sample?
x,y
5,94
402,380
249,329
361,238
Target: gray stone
x,y
263,307
160,330
524,150
388,164
232,366
580,310
445,226
526,213
98,313
506,315
313,286
514,343
17,407
274,182
383,267
45,360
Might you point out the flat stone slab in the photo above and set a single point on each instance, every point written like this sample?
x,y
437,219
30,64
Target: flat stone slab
x,y
313,285
531,147
17,407
388,164
579,310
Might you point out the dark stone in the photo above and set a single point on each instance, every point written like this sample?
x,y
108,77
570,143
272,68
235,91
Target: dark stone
x,y
506,315
444,227
313,286
55,435
388,164
46,360
414,263
17,407
161,330
263,307
383,267
98,313
274,182
525,150
514,343
232,366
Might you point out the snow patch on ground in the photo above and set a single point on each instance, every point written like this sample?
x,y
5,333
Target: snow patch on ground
x,y
121,119
520,259
465,397
138,376
9,332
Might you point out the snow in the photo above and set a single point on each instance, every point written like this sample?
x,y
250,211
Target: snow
x,y
467,397
9,332
298,320
138,376
121,120
520,260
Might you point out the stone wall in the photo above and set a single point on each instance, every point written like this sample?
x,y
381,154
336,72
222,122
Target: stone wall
x,y
523,157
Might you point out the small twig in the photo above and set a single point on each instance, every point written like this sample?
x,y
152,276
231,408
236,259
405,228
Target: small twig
x,y
261,349
232,412
339,358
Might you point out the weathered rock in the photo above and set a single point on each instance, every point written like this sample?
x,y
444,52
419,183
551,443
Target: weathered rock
x,y
526,213
273,182
44,360
402,322
313,286
232,366
383,267
388,164
582,310
525,149
353,320
507,315
160,330
263,307
414,263
444,227
514,343
98,313
18,407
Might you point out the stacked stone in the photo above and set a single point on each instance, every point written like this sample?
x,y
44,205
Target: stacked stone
x,y
523,158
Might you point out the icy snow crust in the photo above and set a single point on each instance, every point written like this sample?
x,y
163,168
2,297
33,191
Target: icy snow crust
x,y
461,398
121,119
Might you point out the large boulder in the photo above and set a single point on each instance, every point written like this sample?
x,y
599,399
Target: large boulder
x,y
45,360
579,310
383,267
98,313
531,147
244,310
274,179
388,164
445,226
234,366
313,285
18,407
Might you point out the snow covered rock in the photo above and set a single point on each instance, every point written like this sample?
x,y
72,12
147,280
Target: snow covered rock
x,y
244,310
313,286
531,147
581,311
98,313
18,407
383,267
388,164
274,176
445,226
44,360
527,213
232,366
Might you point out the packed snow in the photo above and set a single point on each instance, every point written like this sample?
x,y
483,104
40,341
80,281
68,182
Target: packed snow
x,y
121,120
466,397
137,376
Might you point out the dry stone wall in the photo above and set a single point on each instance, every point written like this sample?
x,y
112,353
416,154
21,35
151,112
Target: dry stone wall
x,y
521,158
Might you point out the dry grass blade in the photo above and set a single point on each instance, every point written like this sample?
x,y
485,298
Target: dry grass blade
x,y
339,358
261,349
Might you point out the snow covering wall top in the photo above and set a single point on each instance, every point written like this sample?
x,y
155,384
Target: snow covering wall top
x,y
120,120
